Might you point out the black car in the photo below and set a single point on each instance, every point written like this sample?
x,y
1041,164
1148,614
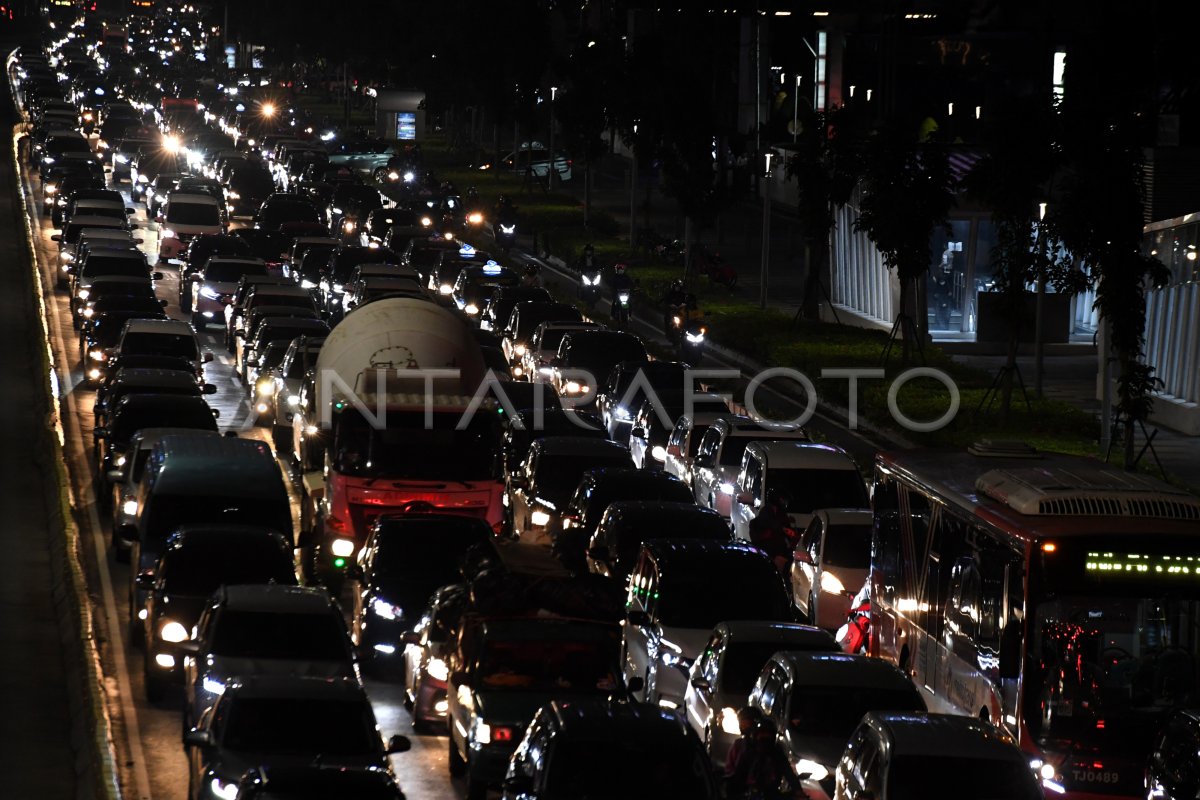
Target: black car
x,y
249,185
197,561
477,282
585,358
271,246
626,524
340,266
602,748
143,380
597,490
101,330
424,253
282,208
1173,769
494,314
524,319
136,411
627,385
283,721
406,557
317,782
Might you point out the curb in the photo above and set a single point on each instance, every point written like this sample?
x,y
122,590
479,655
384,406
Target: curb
x,y
91,729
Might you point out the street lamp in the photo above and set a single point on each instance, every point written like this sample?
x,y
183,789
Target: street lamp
x,y
766,233
553,160
796,109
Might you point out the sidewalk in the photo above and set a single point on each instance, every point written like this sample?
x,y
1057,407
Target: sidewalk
x,y
738,238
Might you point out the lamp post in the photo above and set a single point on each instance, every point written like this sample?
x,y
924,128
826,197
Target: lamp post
x,y
550,170
1039,345
633,190
796,110
766,234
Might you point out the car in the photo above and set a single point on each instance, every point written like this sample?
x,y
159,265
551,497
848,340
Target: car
x,y
816,701
1172,770
198,560
534,158
894,755
629,383
371,289
340,267
142,380
156,192
523,320
445,273
719,456
723,675
287,721
91,201
586,357
246,189
260,377
300,356
504,669
597,489
184,217
136,289
476,283
627,524
119,238
814,475
317,782
281,208
256,628
405,559
208,245
540,489
247,288
602,748
534,365
271,329
831,563
272,246
213,285
426,649
678,592
68,239
123,152
170,337
105,262
666,430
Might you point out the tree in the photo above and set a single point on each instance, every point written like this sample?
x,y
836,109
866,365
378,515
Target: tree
x,y
907,192
825,166
1016,175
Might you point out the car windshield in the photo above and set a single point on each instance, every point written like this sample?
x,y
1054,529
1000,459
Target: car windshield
x,y
159,344
192,214
230,271
847,546
811,489
599,355
700,598
265,634
115,266
187,413
743,661
554,665
558,475
824,712
302,725
252,183
300,363
622,769
914,777
276,214
407,448
200,571
169,511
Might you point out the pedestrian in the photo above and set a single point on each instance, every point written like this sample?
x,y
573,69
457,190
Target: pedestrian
x,y
772,529
761,769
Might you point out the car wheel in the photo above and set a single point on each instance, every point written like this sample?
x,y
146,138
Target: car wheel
x,y
456,764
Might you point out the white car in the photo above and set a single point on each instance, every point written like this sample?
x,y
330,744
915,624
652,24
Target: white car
x,y
831,563
535,157
534,364
719,457
813,476
184,217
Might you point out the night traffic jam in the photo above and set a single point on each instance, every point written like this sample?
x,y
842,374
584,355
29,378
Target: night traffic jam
x,y
376,499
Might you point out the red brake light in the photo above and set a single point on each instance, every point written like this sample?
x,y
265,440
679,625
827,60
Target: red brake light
x,y
502,734
336,524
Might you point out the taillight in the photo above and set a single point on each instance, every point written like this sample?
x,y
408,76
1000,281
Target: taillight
x,y
498,528
501,734
333,523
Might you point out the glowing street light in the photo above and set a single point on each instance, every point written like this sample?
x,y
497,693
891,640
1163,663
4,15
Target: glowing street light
x,y
268,109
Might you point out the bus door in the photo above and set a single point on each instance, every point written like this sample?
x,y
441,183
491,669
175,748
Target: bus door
x,y
929,653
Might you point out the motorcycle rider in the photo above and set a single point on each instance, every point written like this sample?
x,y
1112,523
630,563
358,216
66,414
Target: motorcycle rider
x,y
622,284
761,766
532,276
671,301
772,530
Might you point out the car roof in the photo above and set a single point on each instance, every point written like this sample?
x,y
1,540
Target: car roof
x,y
276,599
633,510
283,686
216,533
280,290
740,425
782,632
193,464
943,735
178,197
842,669
171,326
803,455
669,552
148,437
144,376
617,721
612,475
578,445
96,221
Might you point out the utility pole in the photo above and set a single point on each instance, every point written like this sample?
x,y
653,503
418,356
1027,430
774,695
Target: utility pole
x,y
553,158
1039,333
633,192
766,235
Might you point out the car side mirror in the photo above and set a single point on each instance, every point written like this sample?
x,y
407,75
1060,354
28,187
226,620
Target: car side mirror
x,y
206,358
144,580
638,432
158,276
197,738
598,553
638,619
399,744
209,388
56,237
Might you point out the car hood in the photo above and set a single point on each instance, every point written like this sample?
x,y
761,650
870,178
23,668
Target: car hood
x,y
230,765
229,666
825,750
690,641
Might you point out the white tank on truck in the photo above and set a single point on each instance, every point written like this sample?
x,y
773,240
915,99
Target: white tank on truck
x,y
393,388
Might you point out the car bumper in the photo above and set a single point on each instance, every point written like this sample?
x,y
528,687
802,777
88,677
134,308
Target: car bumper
x,y
489,762
171,248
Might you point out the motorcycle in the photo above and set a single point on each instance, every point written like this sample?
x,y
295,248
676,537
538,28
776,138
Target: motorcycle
x,y
621,309
855,635
589,288
691,342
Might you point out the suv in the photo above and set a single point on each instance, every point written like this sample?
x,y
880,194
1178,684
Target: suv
x,y
719,456
831,563
628,524
186,216
679,590
213,286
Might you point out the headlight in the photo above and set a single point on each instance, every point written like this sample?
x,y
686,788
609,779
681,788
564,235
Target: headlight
x,y
348,226
482,732
120,159
475,218
336,210
210,293
437,669
830,583
508,229
658,453
83,294
623,298
213,686
471,309
816,772
96,355
572,387
622,412
726,488
264,387
729,721
293,400
225,791
539,518
409,177
445,288
696,338
143,178
426,221
393,176
130,507
173,632
338,288
307,284
47,159
385,610
51,188
233,195
167,233
120,462
342,548
519,350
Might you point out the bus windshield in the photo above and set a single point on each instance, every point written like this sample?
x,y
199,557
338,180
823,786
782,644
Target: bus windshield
x,y
1116,641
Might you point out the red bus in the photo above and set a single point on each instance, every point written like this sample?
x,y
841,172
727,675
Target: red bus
x,y
1054,596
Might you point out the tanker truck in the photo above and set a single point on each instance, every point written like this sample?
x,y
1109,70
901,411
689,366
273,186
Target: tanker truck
x,y
389,423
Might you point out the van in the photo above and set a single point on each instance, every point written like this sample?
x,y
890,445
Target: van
x,y
200,480
812,475
184,217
